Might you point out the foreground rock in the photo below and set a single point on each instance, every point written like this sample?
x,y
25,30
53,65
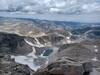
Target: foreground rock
x,y
9,67
13,44
65,68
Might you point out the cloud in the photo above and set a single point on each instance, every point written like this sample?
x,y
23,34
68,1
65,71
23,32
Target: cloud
x,y
51,6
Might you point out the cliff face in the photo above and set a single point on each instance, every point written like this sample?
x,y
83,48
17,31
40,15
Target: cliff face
x,y
14,44
11,44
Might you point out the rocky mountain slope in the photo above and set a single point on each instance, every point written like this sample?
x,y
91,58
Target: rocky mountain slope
x,y
34,47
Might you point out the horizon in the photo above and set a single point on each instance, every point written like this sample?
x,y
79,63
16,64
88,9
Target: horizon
x,y
84,18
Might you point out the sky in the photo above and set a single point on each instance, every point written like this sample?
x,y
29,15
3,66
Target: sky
x,y
51,6
52,9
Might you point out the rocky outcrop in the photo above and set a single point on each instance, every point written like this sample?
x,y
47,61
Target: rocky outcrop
x,y
11,44
65,68
14,44
19,69
9,67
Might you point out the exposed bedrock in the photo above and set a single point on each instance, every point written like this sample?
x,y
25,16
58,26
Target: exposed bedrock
x,y
14,44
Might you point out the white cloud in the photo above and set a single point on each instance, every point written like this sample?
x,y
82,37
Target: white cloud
x,y
51,6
